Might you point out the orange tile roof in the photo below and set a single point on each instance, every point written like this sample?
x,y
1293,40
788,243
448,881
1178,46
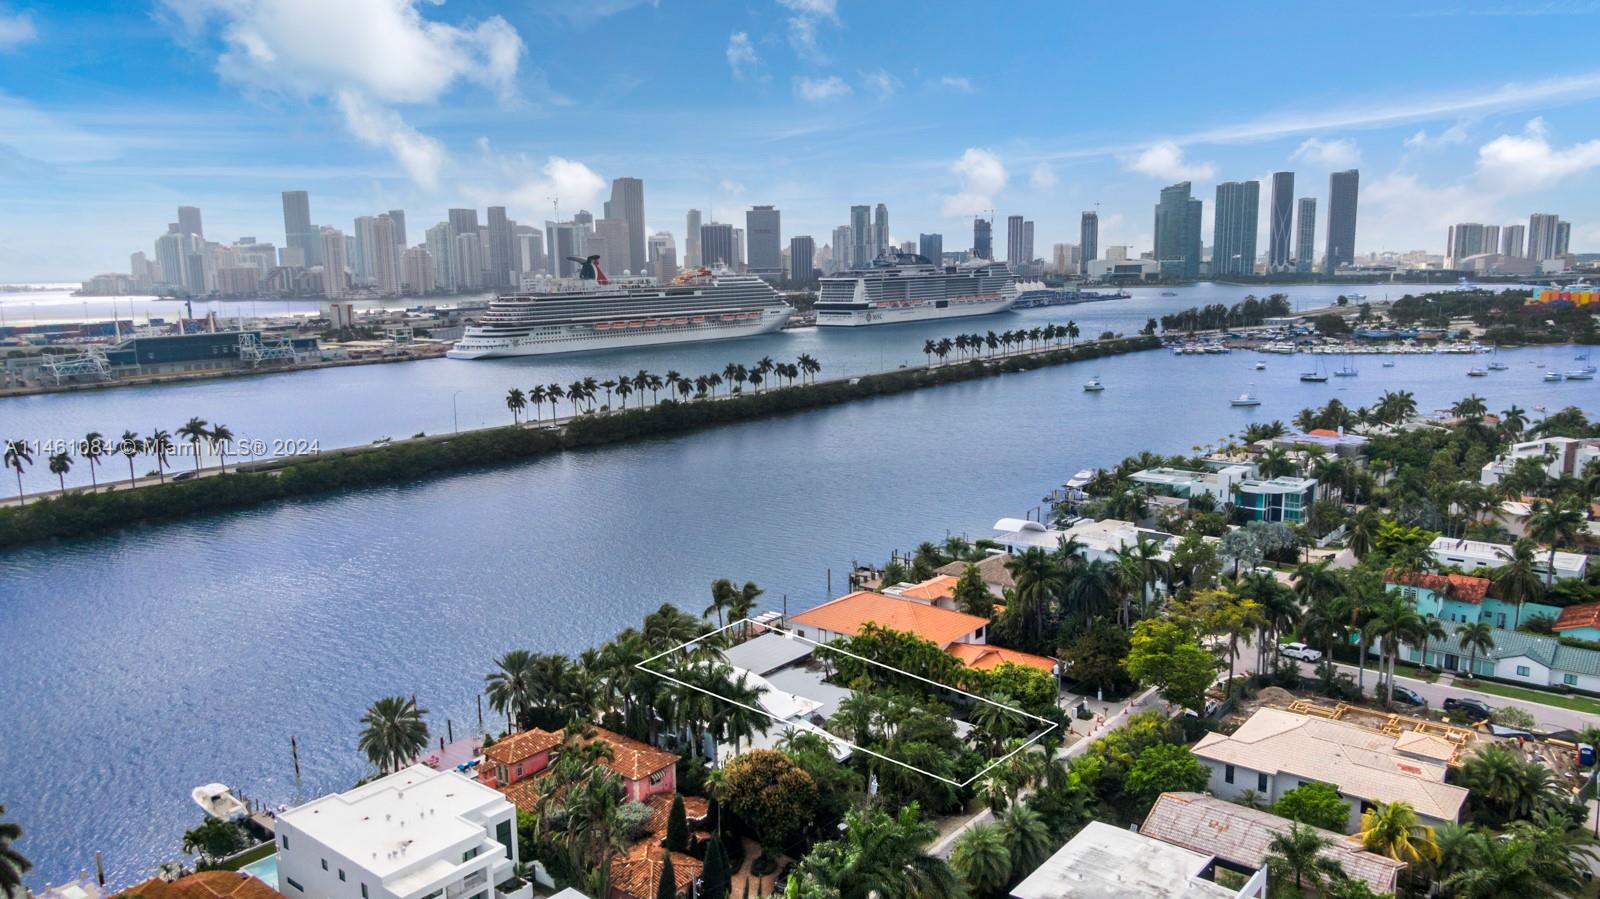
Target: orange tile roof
x,y
638,873
205,885
695,809
1323,432
521,746
629,757
849,613
988,658
1464,587
1586,615
936,587
524,794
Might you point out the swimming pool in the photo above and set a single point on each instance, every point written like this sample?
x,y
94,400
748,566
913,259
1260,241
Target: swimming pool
x,y
264,870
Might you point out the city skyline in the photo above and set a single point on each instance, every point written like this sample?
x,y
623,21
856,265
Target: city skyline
x,y
492,117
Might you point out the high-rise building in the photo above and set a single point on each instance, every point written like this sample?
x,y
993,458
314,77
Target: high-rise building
x,y
610,241
1563,237
931,247
397,219
1027,243
1014,240
982,238
880,230
530,250
469,254
1177,232
691,241
297,228
502,249
417,271
189,221
1088,240
1233,238
1305,244
716,244
802,259
1542,235
334,264
738,250
383,257
1343,190
1461,241
364,233
763,227
563,241
442,247
861,251
1511,240
468,271
1064,258
1491,239
171,251
627,204
1280,255
663,256
843,245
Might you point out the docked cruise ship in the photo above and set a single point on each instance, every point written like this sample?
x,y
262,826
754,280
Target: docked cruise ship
x,y
907,288
592,312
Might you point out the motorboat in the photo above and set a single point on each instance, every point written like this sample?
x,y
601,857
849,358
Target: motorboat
x,y
1552,376
1580,374
1093,385
1260,366
1498,366
1477,373
1248,398
218,801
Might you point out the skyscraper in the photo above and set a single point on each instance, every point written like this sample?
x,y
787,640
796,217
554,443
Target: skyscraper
x,y
1305,245
1511,239
333,263
763,229
1461,241
189,221
1177,232
802,258
364,232
663,255
417,271
716,245
861,251
383,259
397,219
1280,256
627,204
1088,240
297,228
530,250
982,238
610,242
442,246
468,270
691,241
880,230
1563,237
931,246
1014,240
469,255
1027,243
843,245
564,240
1542,235
738,251
1233,237
502,249
1343,190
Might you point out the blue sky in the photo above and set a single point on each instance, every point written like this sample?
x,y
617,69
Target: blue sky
x,y
112,114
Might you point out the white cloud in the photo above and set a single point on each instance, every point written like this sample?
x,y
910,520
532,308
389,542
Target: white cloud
x,y
1043,177
881,83
803,25
981,175
729,186
741,54
16,29
529,186
1400,212
1455,134
366,56
817,90
1527,161
1165,160
956,83
1334,154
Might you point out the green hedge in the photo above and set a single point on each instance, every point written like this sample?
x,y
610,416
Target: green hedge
x,y
82,514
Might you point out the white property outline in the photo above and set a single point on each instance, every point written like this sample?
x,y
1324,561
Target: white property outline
x,y
832,738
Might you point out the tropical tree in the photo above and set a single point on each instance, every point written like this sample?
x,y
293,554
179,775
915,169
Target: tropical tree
x,y
510,687
214,838
1557,524
1361,532
982,861
1026,833
194,432
1391,829
1518,580
1475,637
93,449
1396,621
60,464
159,445
1298,853
219,437
516,401
13,864
17,456
878,855
1039,582
394,733
1471,407
131,445
1316,804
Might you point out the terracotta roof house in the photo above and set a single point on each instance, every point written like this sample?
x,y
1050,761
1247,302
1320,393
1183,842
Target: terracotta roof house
x,y
987,658
515,762
963,636
517,756
1581,621
203,885
991,568
637,875
939,590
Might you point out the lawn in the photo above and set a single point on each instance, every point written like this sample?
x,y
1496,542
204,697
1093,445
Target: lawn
x,y
1576,703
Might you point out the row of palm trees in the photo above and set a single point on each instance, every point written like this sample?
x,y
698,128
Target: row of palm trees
x,y
975,344
95,447
583,393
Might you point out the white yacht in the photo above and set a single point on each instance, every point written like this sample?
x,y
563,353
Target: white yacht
x,y
219,802
1248,398
904,287
1093,385
593,312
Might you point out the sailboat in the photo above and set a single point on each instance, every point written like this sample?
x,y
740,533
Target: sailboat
x,y
1495,364
1316,376
1347,370
1586,373
1248,398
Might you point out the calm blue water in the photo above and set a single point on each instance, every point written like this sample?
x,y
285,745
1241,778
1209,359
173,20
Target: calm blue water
x,y
140,665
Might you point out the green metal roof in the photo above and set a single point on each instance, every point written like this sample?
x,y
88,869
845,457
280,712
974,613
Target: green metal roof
x,y
1547,651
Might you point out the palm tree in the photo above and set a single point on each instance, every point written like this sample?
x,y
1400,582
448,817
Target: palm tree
x,y
1298,851
1514,420
18,456
1556,524
60,464
1475,637
1518,579
536,396
982,861
194,431
13,864
1397,621
878,855
511,687
219,437
1391,829
1471,407
131,446
1040,581
1026,834
722,593
394,732
160,446
555,393
93,449
516,401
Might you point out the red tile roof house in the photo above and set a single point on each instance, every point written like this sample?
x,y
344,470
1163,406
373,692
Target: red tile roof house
x,y
963,636
512,765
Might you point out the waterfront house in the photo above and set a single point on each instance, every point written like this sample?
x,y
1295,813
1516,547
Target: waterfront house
x,y
963,636
1277,750
939,590
1581,621
1097,540
1242,837
514,764
1461,598
1334,441
199,885
1104,861
992,568
1562,457
1517,656
793,688
414,834
1469,555
1285,499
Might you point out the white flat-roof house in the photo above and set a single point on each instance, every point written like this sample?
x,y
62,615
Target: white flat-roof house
x,y
414,834
1470,554
1106,862
1101,540
1564,456
1271,499
1276,751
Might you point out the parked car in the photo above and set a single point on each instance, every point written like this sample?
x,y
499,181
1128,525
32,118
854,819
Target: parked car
x,y
1300,651
1408,696
1475,709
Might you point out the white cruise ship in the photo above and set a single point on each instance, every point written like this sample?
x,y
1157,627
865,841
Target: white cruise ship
x,y
592,312
909,288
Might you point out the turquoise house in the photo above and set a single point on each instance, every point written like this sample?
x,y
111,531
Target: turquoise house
x,y
1461,598
1581,621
